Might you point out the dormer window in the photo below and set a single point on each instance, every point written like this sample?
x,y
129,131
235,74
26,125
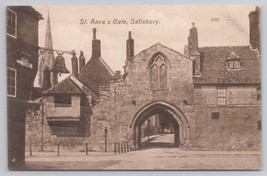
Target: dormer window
x,y
235,64
233,61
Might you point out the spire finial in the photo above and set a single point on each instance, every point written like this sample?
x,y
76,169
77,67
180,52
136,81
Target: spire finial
x,y
130,35
193,24
94,33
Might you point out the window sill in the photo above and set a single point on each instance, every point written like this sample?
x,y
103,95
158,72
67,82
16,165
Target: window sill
x,y
158,90
13,36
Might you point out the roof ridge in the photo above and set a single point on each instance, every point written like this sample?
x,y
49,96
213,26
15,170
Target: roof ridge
x,y
224,46
59,86
158,43
107,66
76,85
55,85
86,86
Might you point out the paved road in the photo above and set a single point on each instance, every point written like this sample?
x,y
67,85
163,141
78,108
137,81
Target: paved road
x,y
147,159
158,141
164,138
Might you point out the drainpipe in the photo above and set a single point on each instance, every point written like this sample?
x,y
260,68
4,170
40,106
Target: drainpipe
x,y
42,127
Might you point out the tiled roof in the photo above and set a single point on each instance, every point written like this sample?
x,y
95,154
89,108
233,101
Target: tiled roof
x,y
65,86
95,73
214,70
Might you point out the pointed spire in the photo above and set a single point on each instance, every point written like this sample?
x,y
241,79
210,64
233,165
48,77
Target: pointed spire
x,y
48,58
48,34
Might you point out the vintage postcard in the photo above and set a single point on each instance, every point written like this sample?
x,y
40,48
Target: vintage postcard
x,y
134,87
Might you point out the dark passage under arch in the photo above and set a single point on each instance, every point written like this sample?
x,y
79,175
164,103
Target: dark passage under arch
x,y
169,115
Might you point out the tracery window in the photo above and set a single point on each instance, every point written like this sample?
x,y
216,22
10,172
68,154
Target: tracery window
x,y
159,73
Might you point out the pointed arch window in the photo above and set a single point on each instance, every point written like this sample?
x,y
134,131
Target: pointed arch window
x,y
159,73
154,77
163,77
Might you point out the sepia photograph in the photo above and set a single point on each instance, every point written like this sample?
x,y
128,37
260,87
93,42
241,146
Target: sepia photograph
x,y
137,87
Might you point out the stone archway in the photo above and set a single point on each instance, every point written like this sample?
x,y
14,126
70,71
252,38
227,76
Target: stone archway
x,y
176,116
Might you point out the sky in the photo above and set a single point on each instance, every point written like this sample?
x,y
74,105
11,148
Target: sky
x,y
217,26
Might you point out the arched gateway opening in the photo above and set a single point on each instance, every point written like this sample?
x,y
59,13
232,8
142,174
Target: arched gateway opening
x,y
171,120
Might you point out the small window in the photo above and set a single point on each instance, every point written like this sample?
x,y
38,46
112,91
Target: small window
x,y
259,125
258,93
234,64
233,61
215,115
11,23
11,82
62,101
221,96
230,64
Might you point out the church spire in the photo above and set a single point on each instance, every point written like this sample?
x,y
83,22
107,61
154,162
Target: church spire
x,y
48,34
48,59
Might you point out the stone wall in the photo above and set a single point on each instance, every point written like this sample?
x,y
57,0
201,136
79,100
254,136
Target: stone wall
x,y
235,129
39,131
73,111
235,126
125,98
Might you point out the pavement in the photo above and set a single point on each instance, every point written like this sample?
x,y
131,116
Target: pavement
x,y
147,159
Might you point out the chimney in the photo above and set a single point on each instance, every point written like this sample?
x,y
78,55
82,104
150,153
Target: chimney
x,y
129,46
74,63
46,79
255,29
96,46
193,50
193,40
81,61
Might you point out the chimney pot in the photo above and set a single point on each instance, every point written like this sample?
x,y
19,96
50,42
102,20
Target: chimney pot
x,y
74,62
96,46
81,61
94,33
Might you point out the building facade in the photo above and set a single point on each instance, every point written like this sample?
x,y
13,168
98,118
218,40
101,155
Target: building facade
x,y
22,62
210,96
